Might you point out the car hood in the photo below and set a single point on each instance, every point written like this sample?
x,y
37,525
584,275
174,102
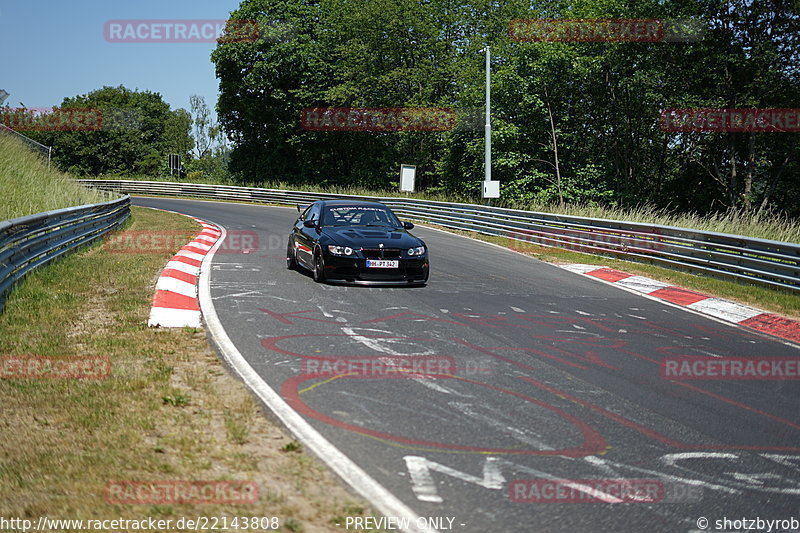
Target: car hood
x,y
370,237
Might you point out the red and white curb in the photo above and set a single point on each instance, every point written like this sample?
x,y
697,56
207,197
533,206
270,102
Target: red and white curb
x,y
725,310
175,303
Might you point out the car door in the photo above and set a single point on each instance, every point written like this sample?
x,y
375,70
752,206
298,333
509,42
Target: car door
x,y
305,238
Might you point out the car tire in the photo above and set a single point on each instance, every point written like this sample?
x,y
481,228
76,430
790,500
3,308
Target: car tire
x,y
291,255
319,267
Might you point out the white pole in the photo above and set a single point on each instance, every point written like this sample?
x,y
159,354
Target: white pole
x,y
488,127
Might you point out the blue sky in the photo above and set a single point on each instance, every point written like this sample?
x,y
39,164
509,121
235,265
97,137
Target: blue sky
x,y
53,49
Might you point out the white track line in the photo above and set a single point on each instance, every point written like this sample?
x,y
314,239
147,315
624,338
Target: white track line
x,y
183,267
165,283
190,255
167,317
378,496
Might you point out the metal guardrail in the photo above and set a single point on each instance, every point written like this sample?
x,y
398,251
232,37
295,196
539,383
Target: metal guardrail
x,y
31,241
735,257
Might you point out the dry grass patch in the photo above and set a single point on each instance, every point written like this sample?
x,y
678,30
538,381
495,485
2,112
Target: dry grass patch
x,y
169,411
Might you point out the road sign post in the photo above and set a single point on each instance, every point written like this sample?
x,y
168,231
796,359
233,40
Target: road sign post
x,y
491,188
407,177
175,164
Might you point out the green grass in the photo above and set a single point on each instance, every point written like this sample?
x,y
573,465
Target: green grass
x,y
27,186
169,410
293,446
764,225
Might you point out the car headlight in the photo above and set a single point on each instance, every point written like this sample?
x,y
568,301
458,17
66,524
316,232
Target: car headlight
x,y
340,250
419,250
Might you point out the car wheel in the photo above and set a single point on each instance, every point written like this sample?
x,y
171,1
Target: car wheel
x,y
319,267
291,255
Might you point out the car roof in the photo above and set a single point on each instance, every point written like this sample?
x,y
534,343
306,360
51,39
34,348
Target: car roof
x,y
349,203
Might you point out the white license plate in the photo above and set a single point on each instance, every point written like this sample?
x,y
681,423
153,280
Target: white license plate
x,y
382,263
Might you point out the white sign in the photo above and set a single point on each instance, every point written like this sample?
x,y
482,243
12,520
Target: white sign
x,y
407,175
491,189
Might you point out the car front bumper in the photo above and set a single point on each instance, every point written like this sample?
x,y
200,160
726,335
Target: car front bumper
x,y
354,270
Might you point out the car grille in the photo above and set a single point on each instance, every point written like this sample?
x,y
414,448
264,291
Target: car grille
x,y
381,253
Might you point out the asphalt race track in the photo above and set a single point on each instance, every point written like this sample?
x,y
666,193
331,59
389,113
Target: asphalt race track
x,y
521,373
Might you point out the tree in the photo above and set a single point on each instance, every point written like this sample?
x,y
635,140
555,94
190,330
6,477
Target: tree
x,y
572,121
748,60
203,126
210,155
138,132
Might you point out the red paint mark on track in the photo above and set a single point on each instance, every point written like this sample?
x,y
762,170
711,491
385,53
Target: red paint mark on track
x,y
179,274
678,295
740,405
173,300
177,309
659,436
194,249
282,317
769,323
774,325
609,274
593,441
187,260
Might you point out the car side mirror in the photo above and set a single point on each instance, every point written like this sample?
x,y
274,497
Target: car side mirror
x,y
408,225
310,223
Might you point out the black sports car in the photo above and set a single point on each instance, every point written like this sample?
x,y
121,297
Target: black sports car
x,y
356,242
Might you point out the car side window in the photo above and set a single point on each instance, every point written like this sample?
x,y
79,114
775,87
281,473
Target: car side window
x,y
313,212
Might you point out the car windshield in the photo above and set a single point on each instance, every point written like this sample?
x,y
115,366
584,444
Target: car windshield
x,y
359,215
